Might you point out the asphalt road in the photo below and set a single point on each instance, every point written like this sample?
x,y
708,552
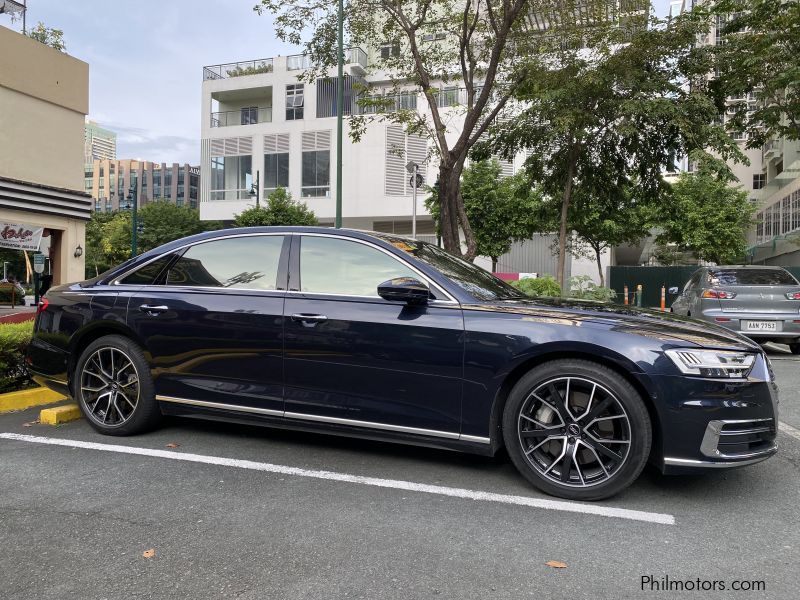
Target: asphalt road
x,y
75,522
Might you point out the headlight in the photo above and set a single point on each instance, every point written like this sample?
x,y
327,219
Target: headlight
x,y
713,363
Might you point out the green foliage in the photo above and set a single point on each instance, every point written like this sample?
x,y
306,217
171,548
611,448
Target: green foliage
x,y
238,71
108,235
760,55
501,210
707,216
540,286
49,36
14,340
582,286
601,126
281,209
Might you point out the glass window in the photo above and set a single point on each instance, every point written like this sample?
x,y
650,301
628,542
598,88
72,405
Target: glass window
x,y
238,262
390,49
751,277
294,101
476,281
149,274
231,174
276,171
337,266
316,174
249,115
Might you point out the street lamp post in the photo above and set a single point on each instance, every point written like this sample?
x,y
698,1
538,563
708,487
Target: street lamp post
x,y
339,114
255,189
413,168
133,198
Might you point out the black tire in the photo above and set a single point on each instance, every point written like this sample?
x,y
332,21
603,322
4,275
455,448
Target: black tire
x,y
525,424
795,348
104,387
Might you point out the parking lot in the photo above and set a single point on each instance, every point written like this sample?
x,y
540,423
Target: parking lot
x,y
243,512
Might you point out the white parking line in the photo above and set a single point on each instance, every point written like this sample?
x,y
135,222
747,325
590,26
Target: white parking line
x,y
789,430
575,507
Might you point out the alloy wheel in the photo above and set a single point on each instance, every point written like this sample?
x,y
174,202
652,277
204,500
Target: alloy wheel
x,y
109,386
574,431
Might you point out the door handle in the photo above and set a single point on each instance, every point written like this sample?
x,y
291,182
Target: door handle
x,y
308,318
153,310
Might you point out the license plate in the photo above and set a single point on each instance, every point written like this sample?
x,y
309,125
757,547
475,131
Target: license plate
x,y
761,326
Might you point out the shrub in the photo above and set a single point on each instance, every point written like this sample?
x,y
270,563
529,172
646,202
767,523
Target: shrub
x,y
582,286
540,286
14,340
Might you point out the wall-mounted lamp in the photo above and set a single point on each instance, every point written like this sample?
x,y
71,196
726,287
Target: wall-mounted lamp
x,y
78,251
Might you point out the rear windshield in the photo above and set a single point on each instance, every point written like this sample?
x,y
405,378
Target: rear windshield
x,y
752,277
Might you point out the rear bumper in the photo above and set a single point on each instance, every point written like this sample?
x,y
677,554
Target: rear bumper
x,y
48,365
787,325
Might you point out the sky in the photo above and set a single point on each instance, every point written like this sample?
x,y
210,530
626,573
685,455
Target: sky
x,y
146,60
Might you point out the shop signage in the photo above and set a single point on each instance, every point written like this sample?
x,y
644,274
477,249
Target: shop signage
x,y
20,237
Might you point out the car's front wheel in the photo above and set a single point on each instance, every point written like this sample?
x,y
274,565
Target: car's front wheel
x,y
576,429
113,387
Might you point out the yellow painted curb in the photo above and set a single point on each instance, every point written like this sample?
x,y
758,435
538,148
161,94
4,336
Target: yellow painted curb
x,y
59,414
27,398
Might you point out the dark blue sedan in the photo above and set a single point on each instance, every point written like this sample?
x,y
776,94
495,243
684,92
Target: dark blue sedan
x,y
378,336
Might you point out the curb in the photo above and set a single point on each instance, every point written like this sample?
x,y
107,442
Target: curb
x,y
27,398
59,414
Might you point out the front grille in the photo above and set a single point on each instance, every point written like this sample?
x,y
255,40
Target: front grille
x,y
738,439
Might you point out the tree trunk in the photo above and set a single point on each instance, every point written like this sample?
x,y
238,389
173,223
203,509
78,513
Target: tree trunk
x,y
597,253
562,231
449,198
494,264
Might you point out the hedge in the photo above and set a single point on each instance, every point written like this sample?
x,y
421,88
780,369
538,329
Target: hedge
x,y
14,340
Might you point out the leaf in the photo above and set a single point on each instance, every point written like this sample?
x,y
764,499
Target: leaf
x,y
31,423
149,553
556,564
172,445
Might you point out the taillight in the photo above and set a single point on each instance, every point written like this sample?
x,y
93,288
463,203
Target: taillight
x,y
43,304
793,295
721,294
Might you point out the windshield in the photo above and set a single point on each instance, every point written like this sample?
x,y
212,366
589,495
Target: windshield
x,y
751,277
472,279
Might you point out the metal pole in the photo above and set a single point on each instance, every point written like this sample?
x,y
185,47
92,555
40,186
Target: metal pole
x,y
24,15
258,189
339,115
414,207
134,221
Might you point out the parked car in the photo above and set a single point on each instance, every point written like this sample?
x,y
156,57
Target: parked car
x,y
384,337
761,302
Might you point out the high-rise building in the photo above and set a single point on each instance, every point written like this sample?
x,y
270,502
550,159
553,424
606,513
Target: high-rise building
x,y
98,143
109,183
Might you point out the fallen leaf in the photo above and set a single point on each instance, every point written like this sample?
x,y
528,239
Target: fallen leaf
x,y
31,423
149,553
556,564
171,445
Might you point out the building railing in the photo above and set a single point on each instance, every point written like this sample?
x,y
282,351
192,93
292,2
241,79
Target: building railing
x,y
352,56
355,56
248,67
243,116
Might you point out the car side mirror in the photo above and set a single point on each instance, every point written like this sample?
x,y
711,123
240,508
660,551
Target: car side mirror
x,y
673,290
404,289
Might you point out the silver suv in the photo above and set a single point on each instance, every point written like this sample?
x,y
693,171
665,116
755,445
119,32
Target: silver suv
x,y
760,302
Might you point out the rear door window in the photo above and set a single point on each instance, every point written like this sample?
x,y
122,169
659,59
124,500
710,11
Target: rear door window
x,y
249,262
752,277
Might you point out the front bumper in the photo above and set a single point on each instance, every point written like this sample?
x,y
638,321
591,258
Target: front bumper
x,y
717,423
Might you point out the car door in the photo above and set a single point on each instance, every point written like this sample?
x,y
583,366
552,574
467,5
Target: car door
x,y
353,358
213,324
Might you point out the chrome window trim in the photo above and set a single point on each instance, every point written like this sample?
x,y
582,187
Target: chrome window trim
x,y
325,419
116,279
427,280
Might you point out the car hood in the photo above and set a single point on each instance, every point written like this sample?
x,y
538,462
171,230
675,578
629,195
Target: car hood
x,y
665,327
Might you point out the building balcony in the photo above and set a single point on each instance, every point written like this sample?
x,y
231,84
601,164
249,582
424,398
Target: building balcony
x,y
354,58
772,149
249,67
242,116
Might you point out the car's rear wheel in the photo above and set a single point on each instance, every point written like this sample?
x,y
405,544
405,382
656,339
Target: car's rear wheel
x,y
795,348
114,388
576,429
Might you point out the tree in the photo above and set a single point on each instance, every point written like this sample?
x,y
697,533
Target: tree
x,y
707,216
49,36
280,210
476,56
501,210
760,55
623,109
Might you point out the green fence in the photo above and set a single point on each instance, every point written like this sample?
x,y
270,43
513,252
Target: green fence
x,y
652,278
